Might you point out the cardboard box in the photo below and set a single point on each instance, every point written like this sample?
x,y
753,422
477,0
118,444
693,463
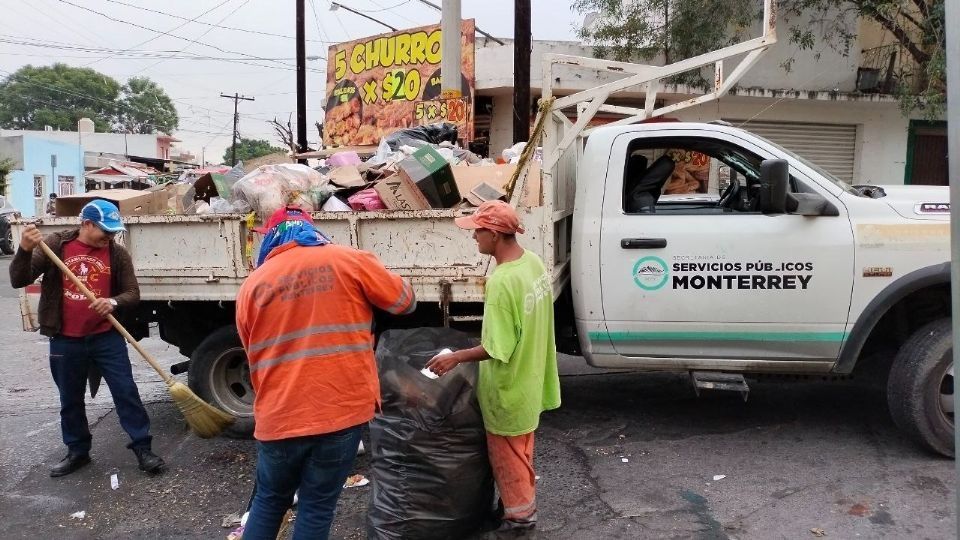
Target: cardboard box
x,y
497,176
431,173
398,192
181,198
131,202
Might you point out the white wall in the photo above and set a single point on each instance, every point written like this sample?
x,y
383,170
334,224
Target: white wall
x,y
820,69
115,143
882,130
501,124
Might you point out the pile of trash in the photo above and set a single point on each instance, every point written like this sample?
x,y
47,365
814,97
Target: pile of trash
x,y
418,168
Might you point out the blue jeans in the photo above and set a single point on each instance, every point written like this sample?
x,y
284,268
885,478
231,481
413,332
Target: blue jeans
x,y
317,466
70,360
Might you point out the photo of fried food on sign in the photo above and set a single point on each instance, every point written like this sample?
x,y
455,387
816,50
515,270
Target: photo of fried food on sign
x,y
380,84
691,174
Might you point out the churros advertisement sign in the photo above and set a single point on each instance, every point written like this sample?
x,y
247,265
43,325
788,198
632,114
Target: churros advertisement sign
x,y
383,83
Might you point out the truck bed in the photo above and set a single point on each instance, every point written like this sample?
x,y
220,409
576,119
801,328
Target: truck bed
x,y
207,257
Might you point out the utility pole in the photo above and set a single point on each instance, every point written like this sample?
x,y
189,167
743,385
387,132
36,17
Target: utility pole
x,y
450,50
521,70
301,81
236,118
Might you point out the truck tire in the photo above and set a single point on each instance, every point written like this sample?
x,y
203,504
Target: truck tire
x,y
920,388
6,237
220,375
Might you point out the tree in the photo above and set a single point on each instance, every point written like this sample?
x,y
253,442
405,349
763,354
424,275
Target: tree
x,y
145,108
57,96
678,29
248,149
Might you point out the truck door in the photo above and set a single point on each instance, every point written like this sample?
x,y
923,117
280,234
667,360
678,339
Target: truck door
x,y
697,272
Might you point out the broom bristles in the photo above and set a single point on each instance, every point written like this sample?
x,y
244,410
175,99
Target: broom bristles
x,y
204,419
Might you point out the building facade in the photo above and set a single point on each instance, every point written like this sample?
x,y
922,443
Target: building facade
x,y
40,167
100,148
820,109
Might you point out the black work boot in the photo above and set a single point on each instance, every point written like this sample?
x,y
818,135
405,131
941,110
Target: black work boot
x,y
149,462
69,464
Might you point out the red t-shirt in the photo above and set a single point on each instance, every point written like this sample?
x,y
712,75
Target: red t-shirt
x,y
92,266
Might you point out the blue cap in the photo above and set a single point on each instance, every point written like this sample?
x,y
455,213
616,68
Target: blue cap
x,y
105,214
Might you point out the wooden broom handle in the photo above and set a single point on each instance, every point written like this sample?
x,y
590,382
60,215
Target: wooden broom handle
x,y
113,320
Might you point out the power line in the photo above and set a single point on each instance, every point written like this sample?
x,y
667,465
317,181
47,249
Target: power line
x,y
120,54
171,30
238,8
402,16
168,33
388,8
221,27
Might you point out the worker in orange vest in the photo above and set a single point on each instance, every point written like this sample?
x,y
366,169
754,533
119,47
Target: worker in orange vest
x,y
304,317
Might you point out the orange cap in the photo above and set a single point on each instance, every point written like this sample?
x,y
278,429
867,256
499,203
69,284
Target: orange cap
x,y
494,215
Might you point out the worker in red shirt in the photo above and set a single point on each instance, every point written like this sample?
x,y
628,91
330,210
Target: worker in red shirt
x,y
82,340
305,317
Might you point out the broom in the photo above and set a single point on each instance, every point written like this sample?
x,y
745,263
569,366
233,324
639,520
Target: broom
x,y
204,419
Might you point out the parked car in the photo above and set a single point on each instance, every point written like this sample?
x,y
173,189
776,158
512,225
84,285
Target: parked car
x,y
6,231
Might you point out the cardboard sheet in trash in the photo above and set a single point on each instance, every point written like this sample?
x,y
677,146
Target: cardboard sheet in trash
x,y
347,176
130,202
497,176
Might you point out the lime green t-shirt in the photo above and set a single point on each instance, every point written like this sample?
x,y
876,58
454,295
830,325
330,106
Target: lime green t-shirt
x,y
520,379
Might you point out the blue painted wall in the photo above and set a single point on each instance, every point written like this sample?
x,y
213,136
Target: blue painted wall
x,y
36,161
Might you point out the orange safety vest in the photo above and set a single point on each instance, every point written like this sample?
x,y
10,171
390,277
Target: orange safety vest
x,y
304,318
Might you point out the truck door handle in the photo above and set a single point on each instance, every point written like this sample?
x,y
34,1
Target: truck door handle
x,y
643,243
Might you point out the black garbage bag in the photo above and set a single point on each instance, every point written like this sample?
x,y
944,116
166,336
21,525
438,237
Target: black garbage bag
x,y
421,135
431,478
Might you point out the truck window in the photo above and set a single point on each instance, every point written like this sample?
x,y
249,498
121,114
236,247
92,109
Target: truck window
x,y
684,175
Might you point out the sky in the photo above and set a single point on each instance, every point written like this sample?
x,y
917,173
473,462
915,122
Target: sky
x,y
248,47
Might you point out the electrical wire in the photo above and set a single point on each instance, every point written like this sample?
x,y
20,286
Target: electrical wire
x,y
68,2
171,30
228,15
233,28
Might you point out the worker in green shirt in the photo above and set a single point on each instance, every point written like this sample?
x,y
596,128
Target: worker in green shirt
x,y
518,358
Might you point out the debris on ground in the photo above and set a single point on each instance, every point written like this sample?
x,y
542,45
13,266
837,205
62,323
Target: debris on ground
x,y
82,514
232,520
357,480
818,532
719,477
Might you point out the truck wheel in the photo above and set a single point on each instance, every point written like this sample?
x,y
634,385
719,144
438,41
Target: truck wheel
x,y
220,375
920,389
6,242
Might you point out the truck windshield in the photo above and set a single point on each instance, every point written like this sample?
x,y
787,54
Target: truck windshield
x,y
820,170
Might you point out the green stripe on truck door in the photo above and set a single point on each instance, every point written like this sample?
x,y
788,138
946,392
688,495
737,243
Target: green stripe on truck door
x,y
720,336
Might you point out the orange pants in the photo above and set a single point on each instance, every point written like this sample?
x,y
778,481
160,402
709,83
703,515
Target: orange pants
x,y
511,459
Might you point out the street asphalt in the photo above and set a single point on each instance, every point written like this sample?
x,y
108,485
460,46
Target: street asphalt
x,y
628,455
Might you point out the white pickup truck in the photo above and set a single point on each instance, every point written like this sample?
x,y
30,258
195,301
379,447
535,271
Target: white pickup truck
x,y
778,268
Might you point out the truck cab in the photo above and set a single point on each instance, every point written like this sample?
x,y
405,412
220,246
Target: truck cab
x,y
774,267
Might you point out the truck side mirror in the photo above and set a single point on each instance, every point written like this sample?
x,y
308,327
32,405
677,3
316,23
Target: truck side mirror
x,y
774,177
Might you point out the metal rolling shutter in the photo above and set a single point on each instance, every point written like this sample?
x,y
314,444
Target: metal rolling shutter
x,y
831,146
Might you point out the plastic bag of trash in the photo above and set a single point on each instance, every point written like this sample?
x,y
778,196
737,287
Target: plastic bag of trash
x,y
420,135
219,205
512,154
429,466
367,199
270,187
226,182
